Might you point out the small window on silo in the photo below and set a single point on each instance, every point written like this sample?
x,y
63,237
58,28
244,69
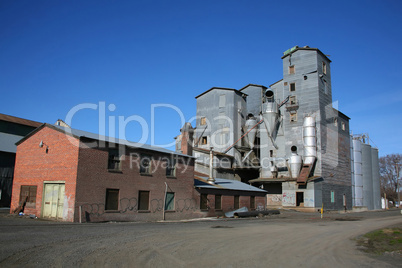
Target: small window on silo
x,y
336,122
343,125
203,121
292,100
291,69
324,68
204,140
292,86
293,117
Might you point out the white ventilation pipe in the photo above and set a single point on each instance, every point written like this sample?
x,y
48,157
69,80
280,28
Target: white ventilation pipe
x,y
251,130
309,140
295,162
271,112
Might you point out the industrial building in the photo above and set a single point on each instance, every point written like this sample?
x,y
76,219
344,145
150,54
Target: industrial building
x,y
287,139
12,129
71,175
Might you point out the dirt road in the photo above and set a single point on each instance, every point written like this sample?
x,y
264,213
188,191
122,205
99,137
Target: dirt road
x,y
292,239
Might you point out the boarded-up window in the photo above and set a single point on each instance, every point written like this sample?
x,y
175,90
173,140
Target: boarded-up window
x,y
293,117
146,164
203,121
218,201
28,195
252,201
236,202
114,160
143,200
291,69
204,201
292,86
112,199
169,205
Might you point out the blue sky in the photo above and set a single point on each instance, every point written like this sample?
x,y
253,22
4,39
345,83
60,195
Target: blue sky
x,y
57,55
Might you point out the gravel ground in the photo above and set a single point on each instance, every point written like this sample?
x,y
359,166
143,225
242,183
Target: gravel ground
x,y
291,239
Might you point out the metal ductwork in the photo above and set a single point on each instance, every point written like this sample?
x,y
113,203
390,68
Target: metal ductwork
x,y
271,113
309,140
295,162
251,130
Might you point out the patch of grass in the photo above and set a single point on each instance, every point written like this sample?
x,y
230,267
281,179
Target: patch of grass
x,y
384,240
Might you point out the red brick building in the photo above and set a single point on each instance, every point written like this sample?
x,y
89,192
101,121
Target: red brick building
x,y
73,175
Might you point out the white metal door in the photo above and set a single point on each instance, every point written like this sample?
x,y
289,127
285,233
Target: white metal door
x,y
53,200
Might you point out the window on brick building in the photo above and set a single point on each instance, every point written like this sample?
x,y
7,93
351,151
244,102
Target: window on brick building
x,y
170,167
112,199
146,164
252,202
204,201
236,202
169,205
114,162
218,201
28,196
143,200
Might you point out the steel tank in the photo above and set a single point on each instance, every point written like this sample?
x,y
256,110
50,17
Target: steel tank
x,y
358,175
352,169
295,162
250,123
309,140
271,112
375,167
367,177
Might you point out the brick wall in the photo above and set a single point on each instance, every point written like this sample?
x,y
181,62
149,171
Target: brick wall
x,y
94,179
55,161
228,200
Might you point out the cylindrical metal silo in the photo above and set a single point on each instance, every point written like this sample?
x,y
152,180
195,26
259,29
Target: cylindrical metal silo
x,y
295,162
352,171
358,173
271,112
309,140
375,167
250,123
367,177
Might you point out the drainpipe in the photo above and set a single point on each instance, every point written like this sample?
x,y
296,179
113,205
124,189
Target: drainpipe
x,y
211,179
164,202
